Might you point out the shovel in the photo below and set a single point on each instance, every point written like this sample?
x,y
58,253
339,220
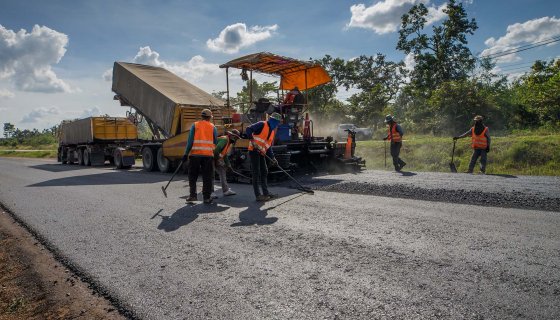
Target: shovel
x,y
451,164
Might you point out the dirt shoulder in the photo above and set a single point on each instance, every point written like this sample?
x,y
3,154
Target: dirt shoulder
x,y
34,285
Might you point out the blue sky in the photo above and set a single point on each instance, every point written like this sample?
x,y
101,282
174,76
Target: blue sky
x,y
54,54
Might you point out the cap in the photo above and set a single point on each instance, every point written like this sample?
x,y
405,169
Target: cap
x,y
478,118
389,118
234,133
206,113
276,116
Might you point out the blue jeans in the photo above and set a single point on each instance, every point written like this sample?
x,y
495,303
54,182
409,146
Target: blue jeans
x,y
478,153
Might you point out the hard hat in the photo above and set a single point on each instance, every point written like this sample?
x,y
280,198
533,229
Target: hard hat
x,y
389,118
206,113
234,133
478,118
276,116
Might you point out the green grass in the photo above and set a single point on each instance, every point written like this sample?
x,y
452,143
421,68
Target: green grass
x,y
517,154
28,154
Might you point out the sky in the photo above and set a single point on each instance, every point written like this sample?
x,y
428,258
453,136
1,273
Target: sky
x,y
56,57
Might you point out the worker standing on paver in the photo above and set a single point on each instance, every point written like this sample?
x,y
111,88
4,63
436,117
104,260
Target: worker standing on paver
x,y
480,142
395,134
201,143
221,159
262,135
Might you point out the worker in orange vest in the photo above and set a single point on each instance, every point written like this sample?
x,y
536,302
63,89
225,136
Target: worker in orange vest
x,y
262,135
202,140
480,142
395,134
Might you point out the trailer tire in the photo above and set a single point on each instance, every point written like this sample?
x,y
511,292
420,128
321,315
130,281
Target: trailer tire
x,y
80,157
149,160
164,164
87,158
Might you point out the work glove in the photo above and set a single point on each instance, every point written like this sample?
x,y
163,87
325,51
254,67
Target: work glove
x,y
274,162
384,139
185,158
455,138
487,149
259,148
221,162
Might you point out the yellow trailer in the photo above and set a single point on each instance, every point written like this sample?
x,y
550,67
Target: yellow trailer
x,y
94,140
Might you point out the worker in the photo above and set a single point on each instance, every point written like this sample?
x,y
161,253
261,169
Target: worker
x,y
290,96
261,135
480,142
200,155
221,161
395,134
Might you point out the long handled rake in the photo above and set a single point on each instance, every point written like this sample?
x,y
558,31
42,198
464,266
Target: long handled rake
x,y
164,189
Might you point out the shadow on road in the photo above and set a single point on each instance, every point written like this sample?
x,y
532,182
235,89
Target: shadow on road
x,y
407,173
186,215
254,215
105,178
501,175
57,167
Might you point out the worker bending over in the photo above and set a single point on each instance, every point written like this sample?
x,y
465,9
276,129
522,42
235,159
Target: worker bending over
x,y
262,135
480,142
395,134
221,159
200,154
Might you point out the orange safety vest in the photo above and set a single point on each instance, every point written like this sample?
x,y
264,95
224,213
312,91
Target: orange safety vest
x,y
479,141
263,139
203,144
225,150
394,135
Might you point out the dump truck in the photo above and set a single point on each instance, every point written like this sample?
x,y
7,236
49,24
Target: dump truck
x,y
296,147
95,140
169,105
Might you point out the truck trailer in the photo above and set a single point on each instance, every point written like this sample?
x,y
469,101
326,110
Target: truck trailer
x,y
95,140
169,105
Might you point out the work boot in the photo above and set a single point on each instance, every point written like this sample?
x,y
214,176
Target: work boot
x,y
397,168
191,199
208,201
262,198
213,196
229,192
272,196
402,164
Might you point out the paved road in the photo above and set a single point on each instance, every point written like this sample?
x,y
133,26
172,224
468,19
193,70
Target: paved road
x,y
330,255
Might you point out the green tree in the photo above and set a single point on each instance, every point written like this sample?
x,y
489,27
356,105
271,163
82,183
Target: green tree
x,y
8,130
443,55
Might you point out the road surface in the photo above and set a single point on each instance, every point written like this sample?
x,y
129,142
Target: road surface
x,y
342,253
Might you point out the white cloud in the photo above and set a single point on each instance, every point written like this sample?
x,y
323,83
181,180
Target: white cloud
x,y
237,36
409,62
38,114
385,16
27,58
522,33
91,112
108,75
192,70
7,94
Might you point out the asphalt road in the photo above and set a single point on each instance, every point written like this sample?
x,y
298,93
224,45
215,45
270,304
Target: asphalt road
x,y
342,253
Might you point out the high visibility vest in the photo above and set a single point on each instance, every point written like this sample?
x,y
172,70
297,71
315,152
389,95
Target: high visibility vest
x,y
203,144
394,135
263,139
225,150
479,141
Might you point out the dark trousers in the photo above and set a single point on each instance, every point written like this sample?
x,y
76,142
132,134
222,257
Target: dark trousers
x,y
395,152
205,166
259,172
478,153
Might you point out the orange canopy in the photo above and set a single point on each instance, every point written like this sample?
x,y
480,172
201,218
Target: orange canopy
x,y
292,72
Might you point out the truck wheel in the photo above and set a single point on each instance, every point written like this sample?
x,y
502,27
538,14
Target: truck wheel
x,y
164,164
87,158
80,157
148,159
118,159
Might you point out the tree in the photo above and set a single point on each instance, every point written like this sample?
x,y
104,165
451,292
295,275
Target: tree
x,y
8,130
443,56
379,82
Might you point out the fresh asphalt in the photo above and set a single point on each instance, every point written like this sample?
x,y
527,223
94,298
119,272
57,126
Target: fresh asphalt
x,y
343,253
